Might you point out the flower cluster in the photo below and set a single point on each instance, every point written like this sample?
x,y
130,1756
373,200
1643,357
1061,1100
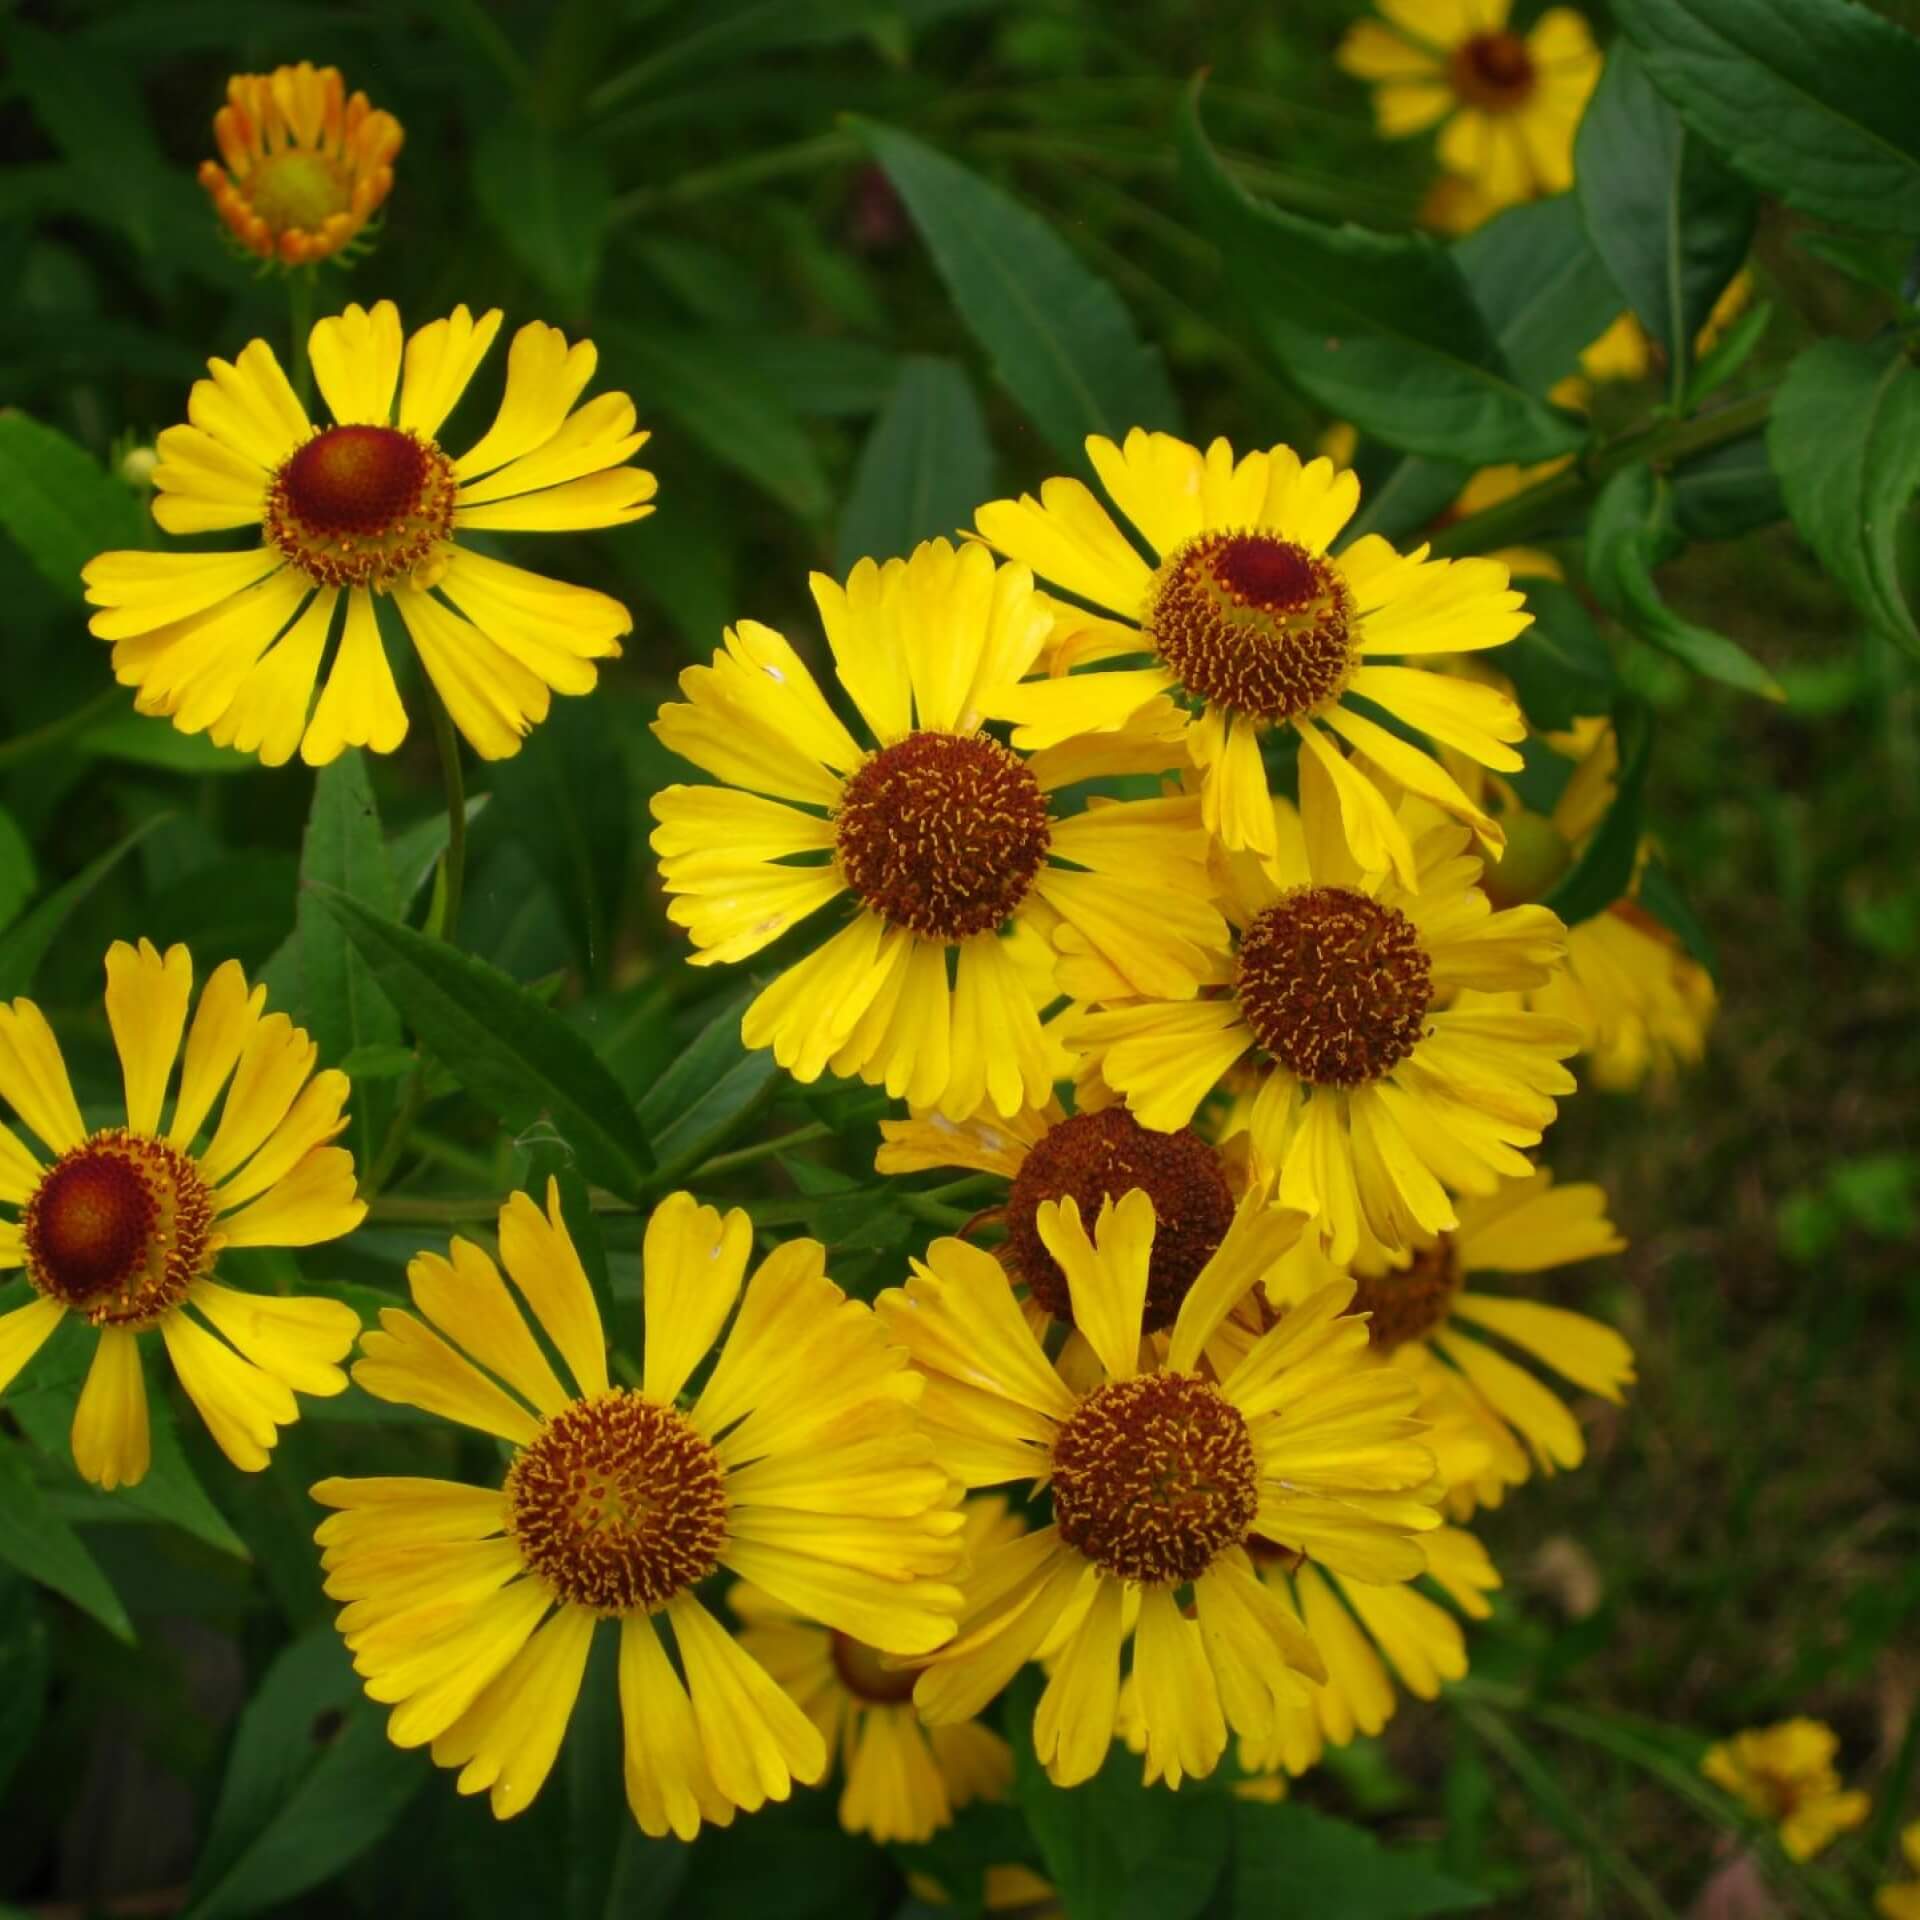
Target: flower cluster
x,y
1155,847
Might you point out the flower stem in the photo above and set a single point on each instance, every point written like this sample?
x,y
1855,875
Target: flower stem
x,y
453,863
300,283
1528,514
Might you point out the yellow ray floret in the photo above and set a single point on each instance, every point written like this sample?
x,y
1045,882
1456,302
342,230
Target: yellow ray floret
x,y
122,1226
367,509
936,847
800,1464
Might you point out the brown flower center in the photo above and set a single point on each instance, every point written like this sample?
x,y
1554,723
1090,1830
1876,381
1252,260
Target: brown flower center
x,y
943,833
1154,1477
1253,622
1100,1156
618,1504
118,1229
1492,71
362,506
1334,985
1409,1302
864,1673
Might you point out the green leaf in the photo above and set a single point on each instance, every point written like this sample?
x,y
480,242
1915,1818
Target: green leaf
x,y
1810,99
1291,1863
1630,533
1727,492
25,943
926,465
1058,337
739,417
25,1662
58,505
312,1781
414,852
565,795
1560,666
516,1056
1845,441
1543,289
17,876
1604,870
1116,1848
145,742
1664,900
547,198
1381,329
344,1010
706,1093
1672,221
171,1492
36,1541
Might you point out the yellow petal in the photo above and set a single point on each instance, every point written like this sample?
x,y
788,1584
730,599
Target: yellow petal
x,y
693,1262
112,1443
23,1332
296,1339
1073,1724
1067,537
468,1301
360,705
1108,1287
138,593
540,1259
268,713
494,700
670,1787
598,436
356,362
441,359
250,406
33,1077
317,1201
545,377
244,1408
407,1363
1180,1713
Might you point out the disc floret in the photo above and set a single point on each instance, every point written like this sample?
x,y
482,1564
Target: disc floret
x,y
618,1504
363,506
1154,1477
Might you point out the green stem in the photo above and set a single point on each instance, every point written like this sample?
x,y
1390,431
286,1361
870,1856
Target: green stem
x,y
56,733
300,286
763,1150
453,863
1540,507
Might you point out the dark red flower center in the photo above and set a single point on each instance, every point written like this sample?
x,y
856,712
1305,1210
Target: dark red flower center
x,y
361,506
1493,71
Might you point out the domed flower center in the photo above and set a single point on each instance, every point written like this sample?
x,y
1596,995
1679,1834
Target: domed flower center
x,y
1409,1302
618,1504
1334,985
1493,71
1154,1477
1100,1156
361,506
1536,856
298,188
943,833
1253,622
118,1229
865,1675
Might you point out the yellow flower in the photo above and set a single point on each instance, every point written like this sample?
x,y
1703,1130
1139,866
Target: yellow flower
x,y
1092,1157
367,507
1251,620
1427,1320
1785,1774
1624,352
125,1225
1901,1901
942,836
1008,1888
306,167
904,1782
1506,106
1161,1475
799,1466
1375,1098
1642,1004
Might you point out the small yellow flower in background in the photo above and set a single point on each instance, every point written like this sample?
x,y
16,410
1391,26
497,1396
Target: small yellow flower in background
x,y
1011,1889
1624,352
1642,1004
233,643
1374,1097
1785,1774
943,836
1901,1900
799,1465
306,166
904,1782
125,1226
1161,1475
1428,1320
1507,106
1250,618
